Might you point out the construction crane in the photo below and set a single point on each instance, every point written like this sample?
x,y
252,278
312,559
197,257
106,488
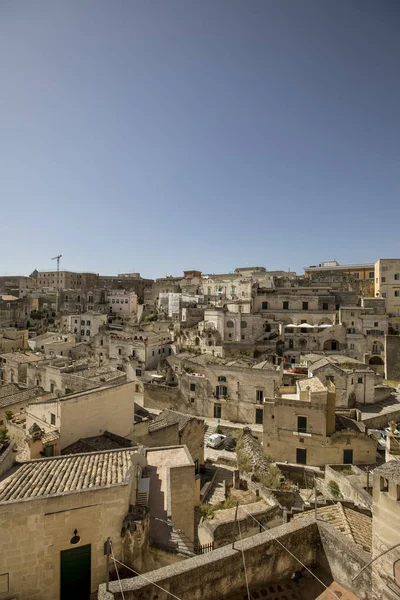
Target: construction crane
x,y
57,258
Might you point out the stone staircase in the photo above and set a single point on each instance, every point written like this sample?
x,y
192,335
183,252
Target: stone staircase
x,y
217,494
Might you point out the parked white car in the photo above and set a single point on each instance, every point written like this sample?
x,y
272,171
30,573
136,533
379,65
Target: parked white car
x,y
216,440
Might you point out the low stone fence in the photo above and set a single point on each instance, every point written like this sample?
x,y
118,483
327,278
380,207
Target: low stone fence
x,y
219,574
222,529
380,420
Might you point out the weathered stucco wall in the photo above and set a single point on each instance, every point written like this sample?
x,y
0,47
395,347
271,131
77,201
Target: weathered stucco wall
x,y
34,533
392,353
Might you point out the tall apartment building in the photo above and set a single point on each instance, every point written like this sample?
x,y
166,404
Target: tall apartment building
x,y
65,280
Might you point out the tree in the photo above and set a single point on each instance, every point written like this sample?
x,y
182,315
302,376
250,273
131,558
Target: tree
x,y
9,415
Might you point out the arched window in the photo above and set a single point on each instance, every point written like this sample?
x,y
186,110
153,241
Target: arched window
x,y
221,378
229,324
243,324
119,351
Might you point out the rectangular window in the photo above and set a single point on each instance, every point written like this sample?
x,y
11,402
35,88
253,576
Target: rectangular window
x,y
259,396
383,279
52,388
305,305
398,493
285,305
397,276
52,418
357,275
138,372
376,324
264,306
302,424
192,387
397,293
217,411
371,274
360,380
259,416
325,306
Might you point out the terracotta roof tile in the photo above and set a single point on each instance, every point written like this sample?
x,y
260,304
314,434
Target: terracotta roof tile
x,y
62,475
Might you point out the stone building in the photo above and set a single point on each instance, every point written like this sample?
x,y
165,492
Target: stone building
x,y
14,311
387,284
14,366
13,339
15,399
171,428
56,515
63,376
385,529
78,301
84,325
223,388
300,426
63,421
360,272
122,303
130,282
65,280
17,285
136,349
354,381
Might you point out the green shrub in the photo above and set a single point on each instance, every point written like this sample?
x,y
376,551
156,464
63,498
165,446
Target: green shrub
x,y
334,488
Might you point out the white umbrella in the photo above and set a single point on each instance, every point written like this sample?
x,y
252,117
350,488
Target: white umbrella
x,y
325,325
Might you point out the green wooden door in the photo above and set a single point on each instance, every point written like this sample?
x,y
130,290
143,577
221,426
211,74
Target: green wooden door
x,y
75,573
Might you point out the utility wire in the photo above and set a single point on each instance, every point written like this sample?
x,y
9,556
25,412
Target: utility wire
x,y
291,553
244,565
148,580
116,568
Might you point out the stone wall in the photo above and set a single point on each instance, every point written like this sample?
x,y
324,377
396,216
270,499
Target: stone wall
x,y
350,488
345,560
34,533
7,459
222,531
392,353
380,421
163,396
219,574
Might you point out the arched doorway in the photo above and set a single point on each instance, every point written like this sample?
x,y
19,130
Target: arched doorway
x,y
377,364
331,345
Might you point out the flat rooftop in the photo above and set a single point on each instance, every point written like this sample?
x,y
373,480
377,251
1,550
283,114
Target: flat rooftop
x,y
169,456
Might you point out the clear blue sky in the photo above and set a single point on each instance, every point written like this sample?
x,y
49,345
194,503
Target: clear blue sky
x,y
162,135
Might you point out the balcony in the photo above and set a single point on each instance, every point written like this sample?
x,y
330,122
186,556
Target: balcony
x,y
375,332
